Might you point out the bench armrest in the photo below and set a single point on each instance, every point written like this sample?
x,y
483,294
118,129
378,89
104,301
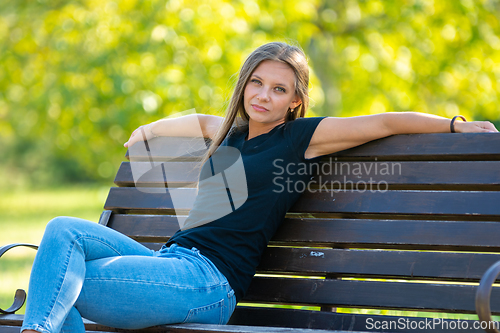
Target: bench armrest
x,y
20,296
483,296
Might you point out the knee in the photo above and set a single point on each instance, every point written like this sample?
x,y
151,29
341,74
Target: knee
x,y
63,225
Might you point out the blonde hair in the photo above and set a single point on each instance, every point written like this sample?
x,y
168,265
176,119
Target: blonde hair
x,y
236,116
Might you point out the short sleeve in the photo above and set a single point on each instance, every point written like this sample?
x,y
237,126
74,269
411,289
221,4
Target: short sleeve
x,y
299,133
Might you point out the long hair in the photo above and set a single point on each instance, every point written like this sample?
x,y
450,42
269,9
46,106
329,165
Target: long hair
x,y
236,116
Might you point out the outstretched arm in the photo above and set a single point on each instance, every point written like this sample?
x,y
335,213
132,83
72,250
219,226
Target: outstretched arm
x,y
186,126
336,134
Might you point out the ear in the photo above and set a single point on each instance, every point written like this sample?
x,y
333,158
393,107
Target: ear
x,y
296,102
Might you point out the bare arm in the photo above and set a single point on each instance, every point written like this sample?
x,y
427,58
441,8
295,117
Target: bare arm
x,y
186,126
336,134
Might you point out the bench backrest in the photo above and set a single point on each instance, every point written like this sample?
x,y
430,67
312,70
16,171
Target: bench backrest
x,y
414,228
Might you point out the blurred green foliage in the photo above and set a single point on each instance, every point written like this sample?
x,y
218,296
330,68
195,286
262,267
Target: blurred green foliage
x,y
24,214
78,76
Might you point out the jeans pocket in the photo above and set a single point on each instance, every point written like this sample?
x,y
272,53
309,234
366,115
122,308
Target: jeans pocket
x,y
208,314
229,308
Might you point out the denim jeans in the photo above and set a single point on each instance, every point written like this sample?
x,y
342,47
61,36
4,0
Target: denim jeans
x,y
83,269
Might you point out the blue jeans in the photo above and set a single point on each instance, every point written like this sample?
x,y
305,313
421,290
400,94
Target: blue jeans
x,y
83,269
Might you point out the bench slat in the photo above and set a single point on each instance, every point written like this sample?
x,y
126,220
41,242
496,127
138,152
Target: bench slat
x,y
10,329
409,175
470,176
438,146
145,227
246,315
12,323
169,149
472,204
402,234
424,147
376,263
129,198
370,294
291,318
177,174
450,203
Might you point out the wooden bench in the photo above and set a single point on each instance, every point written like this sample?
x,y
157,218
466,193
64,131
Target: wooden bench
x,y
421,242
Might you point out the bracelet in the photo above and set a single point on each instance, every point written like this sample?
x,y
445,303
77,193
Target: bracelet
x,y
452,123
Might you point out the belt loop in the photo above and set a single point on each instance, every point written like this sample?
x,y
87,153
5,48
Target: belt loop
x,y
172,248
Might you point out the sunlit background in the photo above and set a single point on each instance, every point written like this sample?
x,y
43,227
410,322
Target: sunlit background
x,y
78,76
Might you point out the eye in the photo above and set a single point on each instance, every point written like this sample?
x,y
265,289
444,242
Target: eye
x,y
281,89
255,81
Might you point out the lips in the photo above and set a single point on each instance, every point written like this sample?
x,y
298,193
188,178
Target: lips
x,y
259,108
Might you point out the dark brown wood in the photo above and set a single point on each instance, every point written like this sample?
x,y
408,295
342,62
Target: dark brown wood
x,y
206,328
12,323
402,234
472,204
169,149
177,174
430,147
337,321
369,294
342,233
376,263
147,199
153,246
397,175
410,175
273,318
424,147
422,265
146,228
11,320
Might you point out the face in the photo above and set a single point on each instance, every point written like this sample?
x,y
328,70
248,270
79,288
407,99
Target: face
x,y
269,93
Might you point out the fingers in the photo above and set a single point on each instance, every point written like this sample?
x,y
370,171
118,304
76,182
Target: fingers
x,y
489,126
134,137
480,127
142,133
484,127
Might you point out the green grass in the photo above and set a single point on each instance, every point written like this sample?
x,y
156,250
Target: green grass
x,y
23,216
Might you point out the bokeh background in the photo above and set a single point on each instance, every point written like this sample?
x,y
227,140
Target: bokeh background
x,y
78,76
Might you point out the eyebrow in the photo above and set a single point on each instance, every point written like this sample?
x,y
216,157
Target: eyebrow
x,y
279,84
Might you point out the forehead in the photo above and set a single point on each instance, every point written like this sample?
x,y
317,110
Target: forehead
x,y
275,71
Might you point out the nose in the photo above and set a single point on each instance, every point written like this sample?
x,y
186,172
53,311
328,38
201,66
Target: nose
x,y
263,95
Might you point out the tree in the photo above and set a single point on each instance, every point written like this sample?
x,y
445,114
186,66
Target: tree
x,y
76,77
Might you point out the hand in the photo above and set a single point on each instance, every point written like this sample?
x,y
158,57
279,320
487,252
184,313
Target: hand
x,y
142,133
474,127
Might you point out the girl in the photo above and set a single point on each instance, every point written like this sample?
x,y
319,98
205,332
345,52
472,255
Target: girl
x,y
85,270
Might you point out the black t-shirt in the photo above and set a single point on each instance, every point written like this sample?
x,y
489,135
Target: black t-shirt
x,y
275,174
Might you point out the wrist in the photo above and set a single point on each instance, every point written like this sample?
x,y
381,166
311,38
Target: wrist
x,y
457,123
151,130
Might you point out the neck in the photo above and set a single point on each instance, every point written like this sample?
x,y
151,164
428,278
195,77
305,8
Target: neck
x,y
256,128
